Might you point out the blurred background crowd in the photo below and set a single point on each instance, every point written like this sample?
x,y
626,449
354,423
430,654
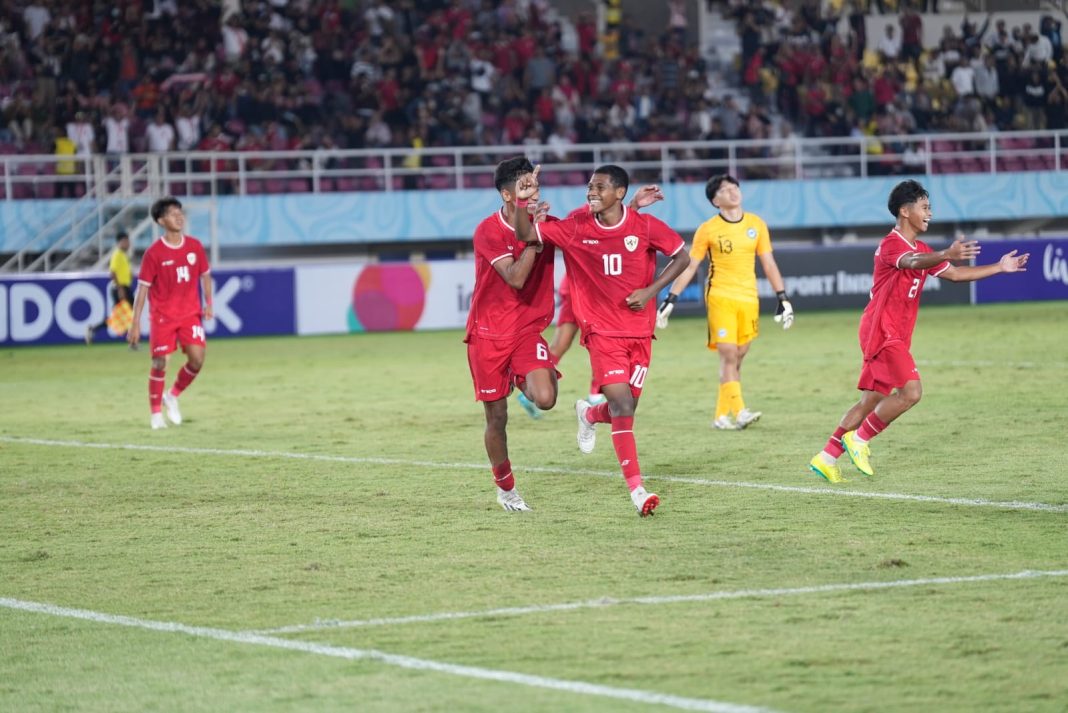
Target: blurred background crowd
x,y
119,76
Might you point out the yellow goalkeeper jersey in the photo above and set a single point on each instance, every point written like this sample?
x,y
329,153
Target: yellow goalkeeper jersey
x,y
731,249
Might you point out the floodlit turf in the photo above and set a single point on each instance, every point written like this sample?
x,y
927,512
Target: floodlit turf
x,y
396,517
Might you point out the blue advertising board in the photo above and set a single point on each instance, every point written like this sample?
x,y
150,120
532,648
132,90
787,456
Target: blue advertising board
x,y
1046,277
56,309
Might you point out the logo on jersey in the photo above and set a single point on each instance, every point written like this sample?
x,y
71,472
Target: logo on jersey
x,y
192,258
630,242
722,332
751,233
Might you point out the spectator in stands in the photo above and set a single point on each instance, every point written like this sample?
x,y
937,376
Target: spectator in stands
x,y
1034,101
1051,30
1039,50
81,132
117,130
911,34
889,45
159,134
987,86
64,147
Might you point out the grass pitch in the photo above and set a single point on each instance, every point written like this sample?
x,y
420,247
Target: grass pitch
x,y
332,495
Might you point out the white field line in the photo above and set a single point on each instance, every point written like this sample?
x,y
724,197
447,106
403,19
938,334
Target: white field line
x,y
669,599
408,662
828,490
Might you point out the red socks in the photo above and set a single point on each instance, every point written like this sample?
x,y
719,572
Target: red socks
x,y
626,449
872,427
834,447
502,475
185,378
599,414
155,389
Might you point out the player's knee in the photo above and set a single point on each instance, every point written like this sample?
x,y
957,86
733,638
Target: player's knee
x,y
159,363
912,394
544,397
196,362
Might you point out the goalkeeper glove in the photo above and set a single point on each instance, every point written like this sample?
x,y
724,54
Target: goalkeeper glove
x,y
785,311
665,310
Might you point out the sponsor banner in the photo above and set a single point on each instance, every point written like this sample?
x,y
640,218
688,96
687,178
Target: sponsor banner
x,y
57,309
820,278
385,297
1046,277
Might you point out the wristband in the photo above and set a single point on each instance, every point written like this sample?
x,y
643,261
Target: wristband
x,y
522,203
670,299
781,294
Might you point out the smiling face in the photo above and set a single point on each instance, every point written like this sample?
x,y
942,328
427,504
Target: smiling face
x,y
602,194
916,215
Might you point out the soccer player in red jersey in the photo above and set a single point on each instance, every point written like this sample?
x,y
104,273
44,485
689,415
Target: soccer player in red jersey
x,y
511,306
170,271
610,254
889,382
566,321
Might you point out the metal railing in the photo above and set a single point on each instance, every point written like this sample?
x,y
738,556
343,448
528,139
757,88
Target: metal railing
x,y
394,169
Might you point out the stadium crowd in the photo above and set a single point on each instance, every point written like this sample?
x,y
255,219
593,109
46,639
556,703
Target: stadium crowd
x,y
118,76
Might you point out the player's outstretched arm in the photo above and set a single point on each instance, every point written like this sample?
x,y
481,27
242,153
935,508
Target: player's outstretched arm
x,y
1009,262
667,306
960,250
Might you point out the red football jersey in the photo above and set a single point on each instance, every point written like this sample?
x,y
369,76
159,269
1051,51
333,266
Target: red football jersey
x,y
172,275
605,264
890,316
499,311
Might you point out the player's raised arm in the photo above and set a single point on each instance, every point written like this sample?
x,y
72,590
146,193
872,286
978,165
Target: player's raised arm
x,y
646,196
526,188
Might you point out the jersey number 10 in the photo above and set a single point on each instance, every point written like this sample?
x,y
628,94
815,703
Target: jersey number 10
x,y
613,264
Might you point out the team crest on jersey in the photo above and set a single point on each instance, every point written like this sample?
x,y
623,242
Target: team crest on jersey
x,y
192,258
751,233
630,242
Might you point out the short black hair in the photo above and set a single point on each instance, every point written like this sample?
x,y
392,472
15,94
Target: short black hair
x,y
163,205
121,235
905,193
616,175
714,183
509,171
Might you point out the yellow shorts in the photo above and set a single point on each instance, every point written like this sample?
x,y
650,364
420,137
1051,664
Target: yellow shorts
x,y
732,321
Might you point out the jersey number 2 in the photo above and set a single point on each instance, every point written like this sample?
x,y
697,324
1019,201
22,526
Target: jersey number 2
x,y
915,288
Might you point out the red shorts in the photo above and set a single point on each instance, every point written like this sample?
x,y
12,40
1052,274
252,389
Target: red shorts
x,y
889,369
498,364
566,315
620,360
164,337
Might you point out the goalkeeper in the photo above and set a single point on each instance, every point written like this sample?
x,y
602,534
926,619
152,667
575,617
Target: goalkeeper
x,y
731,241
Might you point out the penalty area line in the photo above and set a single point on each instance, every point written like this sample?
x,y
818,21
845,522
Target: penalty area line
x,y
661,600
407,662
826,491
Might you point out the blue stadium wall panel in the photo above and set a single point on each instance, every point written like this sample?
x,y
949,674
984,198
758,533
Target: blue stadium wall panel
x,y
304,219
